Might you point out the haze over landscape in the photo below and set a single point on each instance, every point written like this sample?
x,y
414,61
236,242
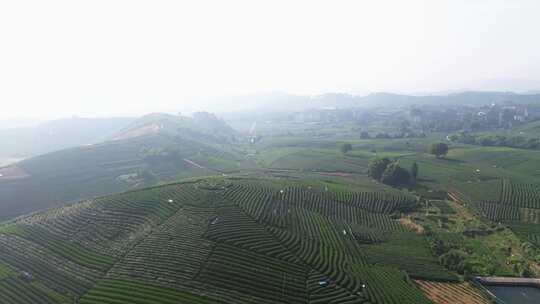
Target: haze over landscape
x,y
270,152
110,58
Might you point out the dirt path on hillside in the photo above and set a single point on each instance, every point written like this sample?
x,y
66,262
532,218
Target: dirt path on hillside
x,y
203,167
194,164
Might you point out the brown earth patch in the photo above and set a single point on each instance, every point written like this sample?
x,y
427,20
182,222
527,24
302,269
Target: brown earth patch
x,y
452,293
411,225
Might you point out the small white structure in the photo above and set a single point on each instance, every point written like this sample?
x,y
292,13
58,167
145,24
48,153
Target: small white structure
x,y
170,201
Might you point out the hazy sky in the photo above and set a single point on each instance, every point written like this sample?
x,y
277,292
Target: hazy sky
x,y
91,58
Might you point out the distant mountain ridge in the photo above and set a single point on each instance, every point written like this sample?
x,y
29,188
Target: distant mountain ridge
x,y
283,102
57,135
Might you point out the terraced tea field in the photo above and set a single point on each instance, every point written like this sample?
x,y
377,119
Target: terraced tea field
x,y
516,205
220,241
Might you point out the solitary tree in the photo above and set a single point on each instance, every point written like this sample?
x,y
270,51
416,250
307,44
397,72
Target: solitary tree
x,y
364,135
394,175
414,171
377,166
438,149
346,148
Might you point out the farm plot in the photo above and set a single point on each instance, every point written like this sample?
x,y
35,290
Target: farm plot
x,y
518,207
414,256
111,224
173,254
235,240
54,271
527,232
14,290
231,226
451,293
520,195
113,291
255,276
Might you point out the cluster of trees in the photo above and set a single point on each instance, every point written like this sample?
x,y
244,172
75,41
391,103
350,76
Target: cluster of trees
x,y
454,256
391,173
384,135
464,260
496,140
438,149
346,147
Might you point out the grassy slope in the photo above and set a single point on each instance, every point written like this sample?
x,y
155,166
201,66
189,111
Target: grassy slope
x,y
86,172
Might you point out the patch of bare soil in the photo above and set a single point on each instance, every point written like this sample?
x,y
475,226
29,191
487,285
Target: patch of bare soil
x,y
452,293
411,225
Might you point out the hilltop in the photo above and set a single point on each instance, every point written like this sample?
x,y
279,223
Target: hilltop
x,y
136,156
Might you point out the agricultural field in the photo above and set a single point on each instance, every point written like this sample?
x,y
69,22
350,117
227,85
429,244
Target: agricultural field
x,y
451,293
497,189
287,219
221,240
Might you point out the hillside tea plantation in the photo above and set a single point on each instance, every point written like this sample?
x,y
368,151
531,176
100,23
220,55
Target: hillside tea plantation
x,y
516,205
220,240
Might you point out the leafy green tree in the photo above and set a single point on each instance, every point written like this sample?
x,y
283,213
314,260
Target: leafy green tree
x,y
405,126
438,149
346,148
453,137
414,171
364,135
382,135
454,259
394,175
377,166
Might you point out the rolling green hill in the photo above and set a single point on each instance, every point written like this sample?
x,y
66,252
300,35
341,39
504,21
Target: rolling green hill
x,y
220,240
287,218
154,148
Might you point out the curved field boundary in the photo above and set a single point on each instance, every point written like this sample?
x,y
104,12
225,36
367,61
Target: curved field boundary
x,y
111,291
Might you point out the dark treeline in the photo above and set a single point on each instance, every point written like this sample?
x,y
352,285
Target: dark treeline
x,y
496,140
